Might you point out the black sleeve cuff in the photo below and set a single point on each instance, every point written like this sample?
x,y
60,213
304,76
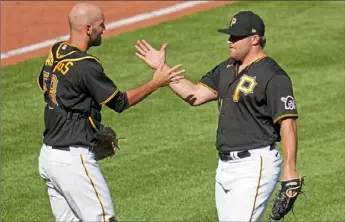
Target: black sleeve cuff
x,y
119,102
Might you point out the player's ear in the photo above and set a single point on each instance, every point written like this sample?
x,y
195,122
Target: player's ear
x,y
88,29
255,39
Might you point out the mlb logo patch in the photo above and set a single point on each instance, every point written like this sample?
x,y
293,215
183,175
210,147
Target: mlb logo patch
x,y
289,102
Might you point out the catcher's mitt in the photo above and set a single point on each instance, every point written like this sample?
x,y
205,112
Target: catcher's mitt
x,y
284,202
107,143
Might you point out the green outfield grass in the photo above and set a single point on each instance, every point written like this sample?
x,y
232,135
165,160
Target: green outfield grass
x,y
166,166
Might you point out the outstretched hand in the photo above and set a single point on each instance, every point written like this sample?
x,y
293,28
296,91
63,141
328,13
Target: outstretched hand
x,y
150,55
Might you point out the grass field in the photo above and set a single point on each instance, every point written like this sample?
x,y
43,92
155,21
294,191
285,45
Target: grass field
x,y
165,169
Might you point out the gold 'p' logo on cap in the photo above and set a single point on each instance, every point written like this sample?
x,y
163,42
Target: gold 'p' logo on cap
x,y
233,21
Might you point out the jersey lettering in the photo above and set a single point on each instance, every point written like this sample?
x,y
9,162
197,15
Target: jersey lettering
x,y
52,88
50,59
246,85
63,67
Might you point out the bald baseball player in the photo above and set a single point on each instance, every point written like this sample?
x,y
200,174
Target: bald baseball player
x,y
75,87
256,109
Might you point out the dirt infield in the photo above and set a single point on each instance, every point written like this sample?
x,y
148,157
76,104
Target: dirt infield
x,y
25,22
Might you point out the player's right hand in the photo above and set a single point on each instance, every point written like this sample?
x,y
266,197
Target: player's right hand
x,y
150,55
165,75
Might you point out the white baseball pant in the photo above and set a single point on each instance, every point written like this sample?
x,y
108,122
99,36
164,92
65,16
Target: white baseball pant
x,y
76,187
243,186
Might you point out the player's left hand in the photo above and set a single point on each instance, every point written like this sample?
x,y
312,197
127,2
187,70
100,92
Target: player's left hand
x,y
286,197
150,55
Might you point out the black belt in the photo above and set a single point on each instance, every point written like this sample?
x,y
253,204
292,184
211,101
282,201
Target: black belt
x,y
64,148
226,156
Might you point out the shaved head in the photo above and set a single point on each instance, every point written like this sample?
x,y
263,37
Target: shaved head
x,y
86,23
84,14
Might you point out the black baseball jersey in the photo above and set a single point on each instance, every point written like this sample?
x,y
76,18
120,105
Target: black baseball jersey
x,y
250,103
77,85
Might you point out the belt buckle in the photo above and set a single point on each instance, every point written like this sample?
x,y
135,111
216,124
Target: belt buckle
x,y
237,155
232,155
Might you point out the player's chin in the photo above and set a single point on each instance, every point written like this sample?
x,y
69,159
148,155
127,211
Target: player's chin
x,y
97,42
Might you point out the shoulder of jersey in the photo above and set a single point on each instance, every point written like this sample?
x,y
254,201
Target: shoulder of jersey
x,y
226,64
90,61
273,67
63,50
229,63
85,61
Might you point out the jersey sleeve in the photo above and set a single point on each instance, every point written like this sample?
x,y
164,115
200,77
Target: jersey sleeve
x,y
211,79
280,98
101,88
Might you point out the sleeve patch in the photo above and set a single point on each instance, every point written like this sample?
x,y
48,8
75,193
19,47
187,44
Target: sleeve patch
x,y
289,102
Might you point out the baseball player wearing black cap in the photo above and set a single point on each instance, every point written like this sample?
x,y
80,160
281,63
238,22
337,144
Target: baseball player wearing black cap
x,y
256,110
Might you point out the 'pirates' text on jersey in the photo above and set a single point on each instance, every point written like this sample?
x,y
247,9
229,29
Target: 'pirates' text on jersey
x,y
75,88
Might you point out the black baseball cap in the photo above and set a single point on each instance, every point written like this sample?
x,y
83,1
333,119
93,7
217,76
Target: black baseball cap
x,y
245,23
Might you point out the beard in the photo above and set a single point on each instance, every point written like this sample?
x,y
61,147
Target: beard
x,y
96,42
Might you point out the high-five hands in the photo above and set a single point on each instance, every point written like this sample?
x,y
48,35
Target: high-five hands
x,y
156,60
149,55
163,77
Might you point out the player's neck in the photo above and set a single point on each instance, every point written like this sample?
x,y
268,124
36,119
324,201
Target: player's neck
x,y
252,57
78,42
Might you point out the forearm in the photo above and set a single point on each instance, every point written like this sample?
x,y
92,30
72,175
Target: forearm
x,y
136,95
184,88
289,144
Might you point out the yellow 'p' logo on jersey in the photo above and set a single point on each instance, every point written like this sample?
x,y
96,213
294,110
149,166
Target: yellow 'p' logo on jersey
x,y
246,85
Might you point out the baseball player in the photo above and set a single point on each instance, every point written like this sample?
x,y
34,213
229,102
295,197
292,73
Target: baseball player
x,y
256,109
75,88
